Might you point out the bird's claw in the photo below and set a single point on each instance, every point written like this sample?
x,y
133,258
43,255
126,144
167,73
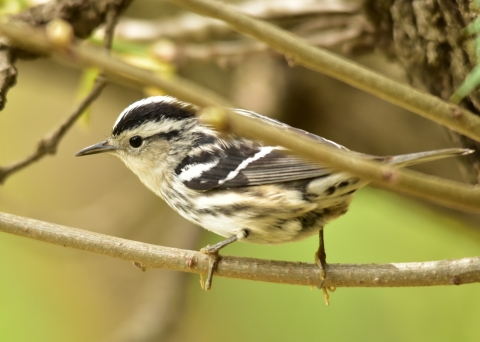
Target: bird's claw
x,y
321,263
213,259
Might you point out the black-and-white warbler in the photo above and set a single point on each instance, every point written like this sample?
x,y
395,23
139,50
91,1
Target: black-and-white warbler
x,y
235,187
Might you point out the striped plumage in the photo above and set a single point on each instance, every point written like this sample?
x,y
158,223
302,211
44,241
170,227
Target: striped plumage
x,y
234,187
229,185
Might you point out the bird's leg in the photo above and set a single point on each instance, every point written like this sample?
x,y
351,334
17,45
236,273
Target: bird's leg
x,y
321,258
212,252
321,261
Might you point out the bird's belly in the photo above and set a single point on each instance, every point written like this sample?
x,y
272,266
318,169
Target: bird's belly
x,y
264,230
271,214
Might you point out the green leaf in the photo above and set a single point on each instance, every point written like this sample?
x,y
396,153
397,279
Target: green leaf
x,y
87,80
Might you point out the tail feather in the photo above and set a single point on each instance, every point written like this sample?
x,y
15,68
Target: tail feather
x,y
422,157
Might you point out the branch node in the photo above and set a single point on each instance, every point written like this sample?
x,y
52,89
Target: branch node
x,y
455,280
140,266
47,146
389,174
191,261
456,112
290,60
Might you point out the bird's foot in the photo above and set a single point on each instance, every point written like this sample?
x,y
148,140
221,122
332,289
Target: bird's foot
x,y
213,258
321,263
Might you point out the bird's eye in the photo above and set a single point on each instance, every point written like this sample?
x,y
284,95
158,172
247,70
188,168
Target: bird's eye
x,y
136,141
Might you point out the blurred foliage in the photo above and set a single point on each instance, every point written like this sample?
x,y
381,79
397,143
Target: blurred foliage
x,y
85,85
13,6
473,79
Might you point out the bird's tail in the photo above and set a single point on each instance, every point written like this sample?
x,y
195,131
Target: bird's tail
x,y
422,157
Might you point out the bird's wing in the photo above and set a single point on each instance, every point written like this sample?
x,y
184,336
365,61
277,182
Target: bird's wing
x,y
288,128
242,165
270,165
241,162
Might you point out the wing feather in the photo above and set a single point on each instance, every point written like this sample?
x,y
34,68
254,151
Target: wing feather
x,y
239,168
245,163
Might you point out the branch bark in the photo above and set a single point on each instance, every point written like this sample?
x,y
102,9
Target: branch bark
x,y
84,15
433,273
425,37
8,72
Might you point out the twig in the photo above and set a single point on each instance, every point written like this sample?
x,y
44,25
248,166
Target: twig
x,y
227,50
111,21
49,144
83,22
433,273
297,50
444,192
191,27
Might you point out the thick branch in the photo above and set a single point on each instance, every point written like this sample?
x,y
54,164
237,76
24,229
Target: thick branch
x,y
445,272
299,51
444,192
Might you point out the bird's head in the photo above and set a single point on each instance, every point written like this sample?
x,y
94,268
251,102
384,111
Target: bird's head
x,y
151,134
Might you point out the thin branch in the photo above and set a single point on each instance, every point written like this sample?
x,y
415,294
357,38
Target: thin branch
x,y
50,144
192,27
111,22
84,21
444,192
433,273
299,51
229,50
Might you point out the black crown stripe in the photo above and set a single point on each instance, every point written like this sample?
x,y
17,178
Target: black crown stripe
x,y
151,112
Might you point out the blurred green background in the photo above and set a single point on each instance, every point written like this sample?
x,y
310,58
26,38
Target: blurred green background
x,y
51,293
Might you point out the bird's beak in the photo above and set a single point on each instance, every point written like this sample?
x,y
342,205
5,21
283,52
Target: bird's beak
x,y
101,147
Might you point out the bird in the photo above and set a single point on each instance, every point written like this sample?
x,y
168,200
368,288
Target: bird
x,y
238,188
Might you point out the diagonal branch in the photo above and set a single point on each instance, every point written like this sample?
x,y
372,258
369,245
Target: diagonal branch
x,y
231,50
84,16
299,51
444,192
189,27
433,273
49,144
